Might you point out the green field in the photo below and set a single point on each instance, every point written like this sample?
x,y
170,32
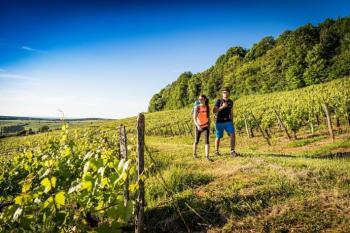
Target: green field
x,y
35,125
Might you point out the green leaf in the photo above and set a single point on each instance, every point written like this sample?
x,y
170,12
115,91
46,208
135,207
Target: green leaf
x,y
66,152
48,202
60,198
128,211
46,183
88,155
126,165
18,199
74,188
26,186
17,214
45,173
29,155
86,185
53,181
96,164
60,218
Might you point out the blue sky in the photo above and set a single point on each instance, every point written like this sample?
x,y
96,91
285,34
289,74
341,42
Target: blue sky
x,y
107,58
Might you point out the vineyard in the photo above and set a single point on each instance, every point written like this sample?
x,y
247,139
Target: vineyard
x,y
313,107
66,184
73,179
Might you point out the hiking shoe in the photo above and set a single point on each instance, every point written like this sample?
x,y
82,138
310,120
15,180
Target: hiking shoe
x,y
195,156
233,153
209,159
217,153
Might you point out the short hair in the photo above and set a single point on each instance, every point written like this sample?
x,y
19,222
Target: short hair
x,y
225,89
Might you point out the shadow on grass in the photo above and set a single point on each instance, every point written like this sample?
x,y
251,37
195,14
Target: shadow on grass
x,y
167,219
269,155
338,155
213,211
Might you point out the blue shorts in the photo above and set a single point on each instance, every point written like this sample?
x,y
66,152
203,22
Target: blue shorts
x,y
220,127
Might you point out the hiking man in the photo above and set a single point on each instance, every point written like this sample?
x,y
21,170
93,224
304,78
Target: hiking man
x,y
201,120
224,120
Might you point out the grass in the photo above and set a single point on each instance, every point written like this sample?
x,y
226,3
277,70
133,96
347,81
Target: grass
x,y
177,179
306,141
259,191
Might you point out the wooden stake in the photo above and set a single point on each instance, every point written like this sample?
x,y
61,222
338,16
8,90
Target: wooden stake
x,y
282,124
124,155
329,122
140,199
246,127
261,131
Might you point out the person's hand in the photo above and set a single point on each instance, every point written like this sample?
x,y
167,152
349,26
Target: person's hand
x,y
224,105
199,128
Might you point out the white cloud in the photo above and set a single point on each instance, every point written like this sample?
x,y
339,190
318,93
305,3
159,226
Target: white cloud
x,y
27,48
15,77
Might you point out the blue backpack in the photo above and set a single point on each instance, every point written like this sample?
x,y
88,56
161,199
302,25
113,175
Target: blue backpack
x,y
195,104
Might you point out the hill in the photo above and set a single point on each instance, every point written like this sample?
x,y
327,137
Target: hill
x,y
305,56
48,118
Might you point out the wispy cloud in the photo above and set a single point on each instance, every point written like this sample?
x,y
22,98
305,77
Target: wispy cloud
x,y
27,48
15,77
23,47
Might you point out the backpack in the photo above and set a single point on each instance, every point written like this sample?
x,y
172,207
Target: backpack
x,y
195,104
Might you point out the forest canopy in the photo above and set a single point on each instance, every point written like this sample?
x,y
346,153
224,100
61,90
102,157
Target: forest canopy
x,y
305,56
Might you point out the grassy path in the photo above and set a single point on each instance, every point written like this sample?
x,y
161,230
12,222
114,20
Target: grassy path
x,y
256,193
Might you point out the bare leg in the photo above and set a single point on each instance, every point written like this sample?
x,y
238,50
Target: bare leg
x,y
233,141
217,145
233,144
207,151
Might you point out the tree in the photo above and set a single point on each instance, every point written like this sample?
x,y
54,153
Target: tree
x,y
294,76
316,66
44,128
194,88
260,48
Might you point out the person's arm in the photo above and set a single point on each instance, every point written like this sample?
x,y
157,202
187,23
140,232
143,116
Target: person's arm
x,y
217,108
231,112
195,114
208,117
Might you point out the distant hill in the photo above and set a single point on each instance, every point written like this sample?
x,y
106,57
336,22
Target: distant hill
x,y
49,119
308,55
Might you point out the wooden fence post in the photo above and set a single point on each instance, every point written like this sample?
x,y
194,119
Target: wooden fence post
x,y
282,124
246,127
329,122
124,155
140,199
261,130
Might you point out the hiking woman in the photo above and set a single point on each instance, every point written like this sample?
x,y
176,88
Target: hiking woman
x,y
201,120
